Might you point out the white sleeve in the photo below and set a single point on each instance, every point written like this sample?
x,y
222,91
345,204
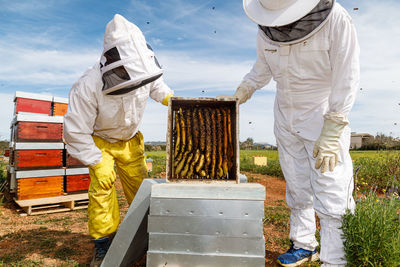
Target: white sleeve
x,y
78,129
159,90
260,75
344,55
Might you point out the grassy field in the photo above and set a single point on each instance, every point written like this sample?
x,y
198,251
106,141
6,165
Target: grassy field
x,y
377,168
62,239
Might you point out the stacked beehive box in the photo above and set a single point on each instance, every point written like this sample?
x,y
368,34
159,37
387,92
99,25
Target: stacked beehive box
x,y
38,160
203,215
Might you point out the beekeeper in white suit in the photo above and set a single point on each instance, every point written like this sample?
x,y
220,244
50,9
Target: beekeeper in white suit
x,y
105,109
310,48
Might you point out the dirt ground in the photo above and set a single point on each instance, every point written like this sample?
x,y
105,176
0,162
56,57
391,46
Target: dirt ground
x,y
62,239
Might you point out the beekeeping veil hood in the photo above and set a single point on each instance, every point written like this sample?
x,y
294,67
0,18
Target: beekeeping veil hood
x,y
289,21
127,62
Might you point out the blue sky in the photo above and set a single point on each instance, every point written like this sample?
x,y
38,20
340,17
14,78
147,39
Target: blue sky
x,y
205,48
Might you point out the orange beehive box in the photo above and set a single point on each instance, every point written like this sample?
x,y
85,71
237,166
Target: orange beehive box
x,y
77,180
60,106
38,155
39,183
32,103
37,128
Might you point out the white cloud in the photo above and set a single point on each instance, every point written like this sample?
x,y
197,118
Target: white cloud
x,y
40,66
190,72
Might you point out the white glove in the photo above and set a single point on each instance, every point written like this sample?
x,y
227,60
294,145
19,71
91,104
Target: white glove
x,y
242,94
326,148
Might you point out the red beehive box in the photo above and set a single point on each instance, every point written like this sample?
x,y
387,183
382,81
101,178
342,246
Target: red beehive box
x,y
77,180
32,103
39,183
72,162
60,106
37,128
38,155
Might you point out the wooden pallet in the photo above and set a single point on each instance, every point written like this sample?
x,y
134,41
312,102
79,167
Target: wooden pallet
x,y
53,204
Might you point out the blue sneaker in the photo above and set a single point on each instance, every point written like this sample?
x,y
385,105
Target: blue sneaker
x,y
101,246
295,257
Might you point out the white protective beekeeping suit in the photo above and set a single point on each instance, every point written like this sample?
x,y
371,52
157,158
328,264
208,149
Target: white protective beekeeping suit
x,y
317,77
109,99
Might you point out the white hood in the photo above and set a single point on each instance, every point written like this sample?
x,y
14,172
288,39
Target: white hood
x,y
127,61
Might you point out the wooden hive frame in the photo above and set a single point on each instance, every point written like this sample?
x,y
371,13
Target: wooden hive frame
x,y
200,104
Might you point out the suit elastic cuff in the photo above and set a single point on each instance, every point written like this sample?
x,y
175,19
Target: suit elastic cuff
x,y
337,117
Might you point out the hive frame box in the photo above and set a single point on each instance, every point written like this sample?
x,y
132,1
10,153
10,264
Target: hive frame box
x,y
201,102
131,241
206,225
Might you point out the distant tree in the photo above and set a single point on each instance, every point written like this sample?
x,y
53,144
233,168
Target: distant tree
x,y
148,147
248,144
381,142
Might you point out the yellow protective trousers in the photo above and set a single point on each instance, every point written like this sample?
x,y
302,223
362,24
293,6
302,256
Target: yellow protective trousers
x,y
130,165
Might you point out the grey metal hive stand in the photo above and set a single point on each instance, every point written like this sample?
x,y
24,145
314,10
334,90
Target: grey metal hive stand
x,y
192,225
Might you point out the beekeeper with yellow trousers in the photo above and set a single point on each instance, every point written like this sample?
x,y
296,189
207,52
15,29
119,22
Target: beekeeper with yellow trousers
x,y
310,49
105,110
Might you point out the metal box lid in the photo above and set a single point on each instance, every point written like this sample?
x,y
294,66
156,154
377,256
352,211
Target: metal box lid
x,y
32,96
38,146
61,100
76,171
24,117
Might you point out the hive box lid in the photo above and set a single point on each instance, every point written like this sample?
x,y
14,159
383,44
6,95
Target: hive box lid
x,y
37,118
32,96
39,146
38,173
76,171
62,100
247,191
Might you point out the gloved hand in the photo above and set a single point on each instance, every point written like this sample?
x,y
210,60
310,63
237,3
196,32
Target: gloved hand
x,y
242,94
104,175
166,99
326,148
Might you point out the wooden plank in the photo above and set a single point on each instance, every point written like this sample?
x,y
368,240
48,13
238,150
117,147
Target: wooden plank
x,y
70,204
54,204
52,200
49,211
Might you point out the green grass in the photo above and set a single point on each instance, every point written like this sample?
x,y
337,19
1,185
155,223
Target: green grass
x,y
277,215
159,162
48,242
64,253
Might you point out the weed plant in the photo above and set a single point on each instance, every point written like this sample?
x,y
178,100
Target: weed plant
x,y
379,169
372,233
